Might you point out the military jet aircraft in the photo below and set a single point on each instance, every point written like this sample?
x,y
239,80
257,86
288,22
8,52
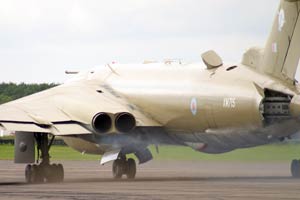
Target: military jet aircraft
x,y
117,109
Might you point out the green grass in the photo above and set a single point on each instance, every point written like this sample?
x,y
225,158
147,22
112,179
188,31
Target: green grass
x,y
6,152
284,152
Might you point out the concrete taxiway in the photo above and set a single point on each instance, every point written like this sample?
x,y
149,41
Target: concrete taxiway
x,y
158,180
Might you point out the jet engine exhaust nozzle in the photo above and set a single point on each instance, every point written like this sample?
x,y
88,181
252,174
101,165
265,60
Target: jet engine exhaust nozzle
x,y
102,122
125,122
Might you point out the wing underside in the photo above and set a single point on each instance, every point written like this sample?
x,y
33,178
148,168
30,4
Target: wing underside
x,y
65,110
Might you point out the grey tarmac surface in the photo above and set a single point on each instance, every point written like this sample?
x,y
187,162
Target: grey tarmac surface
x,y
158,180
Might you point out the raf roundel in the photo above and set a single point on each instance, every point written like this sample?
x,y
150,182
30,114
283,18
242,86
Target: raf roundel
x,y
193,106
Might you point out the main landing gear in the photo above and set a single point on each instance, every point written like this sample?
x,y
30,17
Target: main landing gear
x,y
123,166
295,168
44,171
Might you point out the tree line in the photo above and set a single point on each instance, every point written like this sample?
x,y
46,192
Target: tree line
x,y
13,91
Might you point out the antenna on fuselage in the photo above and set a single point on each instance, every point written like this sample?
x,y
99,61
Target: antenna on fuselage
x,y
71,72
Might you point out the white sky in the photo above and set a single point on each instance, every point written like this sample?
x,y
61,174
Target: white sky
x,y
40,39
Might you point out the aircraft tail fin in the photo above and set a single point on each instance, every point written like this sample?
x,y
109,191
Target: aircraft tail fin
x,y
281,55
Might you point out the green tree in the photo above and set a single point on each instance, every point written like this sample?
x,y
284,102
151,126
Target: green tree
x,y
13,91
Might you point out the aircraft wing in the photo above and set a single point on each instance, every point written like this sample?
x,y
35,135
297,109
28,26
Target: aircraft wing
x,y
66,110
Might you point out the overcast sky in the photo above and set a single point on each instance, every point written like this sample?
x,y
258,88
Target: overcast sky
x,y
40,39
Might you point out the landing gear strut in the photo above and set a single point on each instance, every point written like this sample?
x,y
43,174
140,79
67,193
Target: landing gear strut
x,y
123,166
295,168
44,171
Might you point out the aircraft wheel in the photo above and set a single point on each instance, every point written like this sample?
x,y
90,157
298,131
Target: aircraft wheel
x,y
131,168
60,173
117,169
39,174
54,173
33,174
295,168
28,174
48,172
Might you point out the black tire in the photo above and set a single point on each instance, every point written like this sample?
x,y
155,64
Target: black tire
x,y
131,168
39,176
35,175
60,173
295,168
117,169
50,173
28,174
56,173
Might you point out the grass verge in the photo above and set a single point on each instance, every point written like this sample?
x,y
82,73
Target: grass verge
x,y
278,152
